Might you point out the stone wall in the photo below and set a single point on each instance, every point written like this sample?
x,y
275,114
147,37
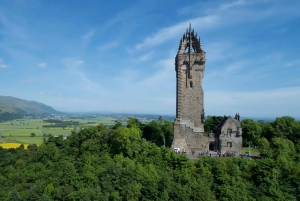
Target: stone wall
x,y
230,137
190,96
190,138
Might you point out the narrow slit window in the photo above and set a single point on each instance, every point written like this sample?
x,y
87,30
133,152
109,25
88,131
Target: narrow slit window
x,y
191,84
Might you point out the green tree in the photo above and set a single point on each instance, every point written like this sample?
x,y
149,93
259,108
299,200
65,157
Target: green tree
x,y
251,131
264,148
153,131
32,134
211,123
117,125
168,131
133,122
159,131
284,127
14,196
287,127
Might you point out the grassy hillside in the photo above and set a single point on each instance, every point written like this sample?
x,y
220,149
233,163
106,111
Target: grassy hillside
x,y
19,106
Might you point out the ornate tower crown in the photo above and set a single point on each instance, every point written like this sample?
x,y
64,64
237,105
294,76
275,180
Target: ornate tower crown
x,y
190,42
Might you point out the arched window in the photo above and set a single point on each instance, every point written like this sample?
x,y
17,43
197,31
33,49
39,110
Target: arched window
x,y
191,84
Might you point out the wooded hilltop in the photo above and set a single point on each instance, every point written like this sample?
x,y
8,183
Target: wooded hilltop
x,y
126,163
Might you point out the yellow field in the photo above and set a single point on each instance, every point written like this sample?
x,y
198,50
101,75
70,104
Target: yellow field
x,y
11,145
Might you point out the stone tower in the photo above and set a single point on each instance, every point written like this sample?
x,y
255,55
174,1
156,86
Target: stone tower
x,y
189,67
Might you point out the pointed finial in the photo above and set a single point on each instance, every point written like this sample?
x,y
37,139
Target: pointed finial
x,y
190,27
200,43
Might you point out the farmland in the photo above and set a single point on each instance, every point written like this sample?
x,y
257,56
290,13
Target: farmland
x,y
12,145
34,131
20,130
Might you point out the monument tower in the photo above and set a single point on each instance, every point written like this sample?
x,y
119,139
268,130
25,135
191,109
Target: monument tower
x,y
189,123
189,67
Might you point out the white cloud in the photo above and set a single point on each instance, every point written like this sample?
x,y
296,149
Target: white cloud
x,y
235,69
43,65
268,103
74,70
295,63
108,46
225,15
79,62
227,6
144,57
203,23
175,31
88,35
2,65
223,7
217,51
86,39
163,75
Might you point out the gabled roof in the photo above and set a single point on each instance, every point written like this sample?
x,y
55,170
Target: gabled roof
x,y
225,119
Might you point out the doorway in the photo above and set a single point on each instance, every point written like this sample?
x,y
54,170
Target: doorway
x,y
212,146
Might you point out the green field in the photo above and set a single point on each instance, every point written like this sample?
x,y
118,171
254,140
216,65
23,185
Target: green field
x,y
252,150
23,140
20,130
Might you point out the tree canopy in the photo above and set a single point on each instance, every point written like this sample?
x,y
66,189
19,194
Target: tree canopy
x,y
98,163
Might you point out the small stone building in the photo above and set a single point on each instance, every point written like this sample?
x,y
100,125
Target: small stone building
x,y
229,136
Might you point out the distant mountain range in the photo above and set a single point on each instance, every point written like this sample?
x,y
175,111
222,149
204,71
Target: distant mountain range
x,y
24,107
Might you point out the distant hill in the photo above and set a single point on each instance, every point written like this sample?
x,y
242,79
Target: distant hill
x,y
14,105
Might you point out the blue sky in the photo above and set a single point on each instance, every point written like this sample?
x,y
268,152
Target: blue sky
x,y
118,56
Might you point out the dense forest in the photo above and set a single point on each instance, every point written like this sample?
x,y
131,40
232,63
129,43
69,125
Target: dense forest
x,y
124,163
7,116
60,123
